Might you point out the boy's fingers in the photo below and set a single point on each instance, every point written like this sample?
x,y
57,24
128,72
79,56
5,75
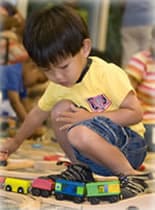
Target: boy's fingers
x,y
65,127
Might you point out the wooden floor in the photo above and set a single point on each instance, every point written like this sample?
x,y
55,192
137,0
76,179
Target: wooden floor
x,y
28,162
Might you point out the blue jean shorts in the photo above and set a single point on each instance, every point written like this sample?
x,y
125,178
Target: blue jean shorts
x,y
132,145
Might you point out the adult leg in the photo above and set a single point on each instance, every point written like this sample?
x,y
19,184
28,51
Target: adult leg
x,y
134,39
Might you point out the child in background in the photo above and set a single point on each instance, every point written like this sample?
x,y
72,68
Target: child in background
x,y
15,80
94,110
10,18
138,22
141,71
17,71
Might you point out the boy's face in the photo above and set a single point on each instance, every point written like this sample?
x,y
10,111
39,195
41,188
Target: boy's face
x,y
68,71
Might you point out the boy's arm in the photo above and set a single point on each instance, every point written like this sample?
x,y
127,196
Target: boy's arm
x,y
28,105
128,113
32,121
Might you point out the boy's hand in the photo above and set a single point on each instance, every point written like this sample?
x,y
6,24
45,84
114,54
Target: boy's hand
x,y
76,114
3,158
8,147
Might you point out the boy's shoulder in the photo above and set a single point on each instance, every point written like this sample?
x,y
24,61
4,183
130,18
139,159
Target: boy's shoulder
x,y
98,60
105,66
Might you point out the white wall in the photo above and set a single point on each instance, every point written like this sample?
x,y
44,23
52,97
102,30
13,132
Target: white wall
x,y
22,7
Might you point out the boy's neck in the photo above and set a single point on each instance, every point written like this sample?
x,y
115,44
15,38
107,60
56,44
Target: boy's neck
x,y
89,61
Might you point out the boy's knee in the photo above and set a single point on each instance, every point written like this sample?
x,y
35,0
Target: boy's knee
x,y
61,106
78,137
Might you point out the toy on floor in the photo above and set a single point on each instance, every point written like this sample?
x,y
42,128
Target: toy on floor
x,y
17,185
132,208
94,192
62,189
42,186
55,157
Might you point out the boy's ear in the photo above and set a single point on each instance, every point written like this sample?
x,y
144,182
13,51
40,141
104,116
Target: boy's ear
x,y
86,48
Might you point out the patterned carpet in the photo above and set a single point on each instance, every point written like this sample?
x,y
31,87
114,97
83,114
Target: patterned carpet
x,y
28,162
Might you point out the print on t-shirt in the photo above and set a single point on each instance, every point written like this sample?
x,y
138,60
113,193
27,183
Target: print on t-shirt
x,y
99,103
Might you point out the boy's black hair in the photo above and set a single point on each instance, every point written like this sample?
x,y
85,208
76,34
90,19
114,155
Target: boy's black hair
x,y
9,7
53,34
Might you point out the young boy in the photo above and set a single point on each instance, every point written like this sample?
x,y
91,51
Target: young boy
x,y
94,110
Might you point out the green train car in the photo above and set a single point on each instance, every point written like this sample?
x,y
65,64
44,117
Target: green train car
x,y
105,190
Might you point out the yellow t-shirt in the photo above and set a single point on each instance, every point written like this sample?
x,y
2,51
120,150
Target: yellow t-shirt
x,y
103,88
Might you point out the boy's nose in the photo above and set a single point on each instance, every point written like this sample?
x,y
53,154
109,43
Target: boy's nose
x,y
59,77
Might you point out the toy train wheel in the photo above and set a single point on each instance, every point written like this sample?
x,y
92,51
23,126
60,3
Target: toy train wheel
x,y
45,193
35,191
20,190
8,188
94,200
59,196
114,198
78,199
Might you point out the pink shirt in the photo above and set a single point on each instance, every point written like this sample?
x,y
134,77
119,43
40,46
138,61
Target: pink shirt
x,y
142,68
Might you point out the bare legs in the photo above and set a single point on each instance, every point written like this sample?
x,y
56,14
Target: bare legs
x,y
61,136
98,149
90,144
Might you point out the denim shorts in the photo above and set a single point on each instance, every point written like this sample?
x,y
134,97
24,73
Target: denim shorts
x,y
132,145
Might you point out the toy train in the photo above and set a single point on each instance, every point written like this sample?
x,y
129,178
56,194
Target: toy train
x,y
93,191
62,189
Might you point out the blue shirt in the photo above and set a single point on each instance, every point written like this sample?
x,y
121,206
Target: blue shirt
x,y
11,79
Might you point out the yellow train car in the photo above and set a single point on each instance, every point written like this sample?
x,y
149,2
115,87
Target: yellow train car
x,y
17,185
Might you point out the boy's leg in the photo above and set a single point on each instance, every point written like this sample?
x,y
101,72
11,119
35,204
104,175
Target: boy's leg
x,y
100,151
76,171
108,144
81,133
93,146
61,136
